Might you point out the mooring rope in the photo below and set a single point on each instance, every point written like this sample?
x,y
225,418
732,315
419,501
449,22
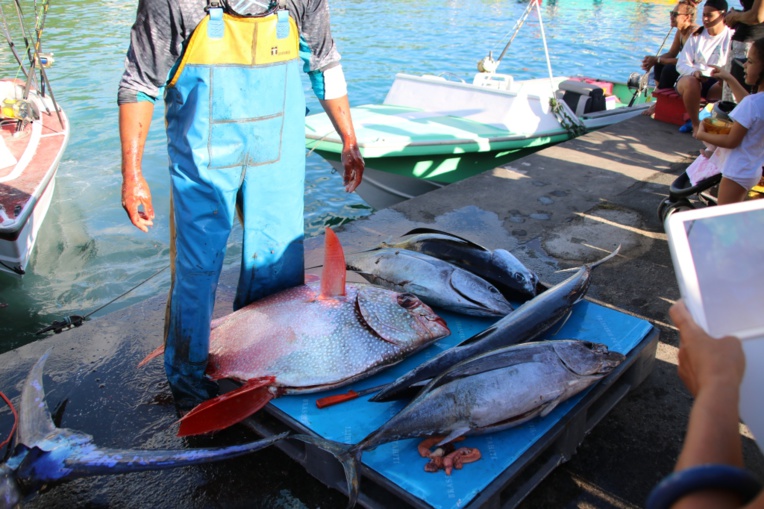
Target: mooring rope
x,y
565,116
72,321
15,421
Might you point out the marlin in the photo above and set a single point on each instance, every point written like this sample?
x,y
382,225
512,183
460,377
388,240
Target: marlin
x,y
45,454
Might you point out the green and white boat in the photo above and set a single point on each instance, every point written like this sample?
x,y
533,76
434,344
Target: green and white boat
x,y
431,131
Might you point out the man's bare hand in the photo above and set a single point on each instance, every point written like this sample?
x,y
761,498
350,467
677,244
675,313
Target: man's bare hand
x,y
136,194
354,166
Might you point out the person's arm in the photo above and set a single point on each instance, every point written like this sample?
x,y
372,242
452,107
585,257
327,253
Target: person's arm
x,y
134,122
684,62
156,41
338,111
676,46
712,369
667,58
753,16
321,60
737,89
729,140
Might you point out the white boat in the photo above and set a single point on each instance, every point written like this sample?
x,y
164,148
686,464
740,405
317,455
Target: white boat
x,y
431,131
33,135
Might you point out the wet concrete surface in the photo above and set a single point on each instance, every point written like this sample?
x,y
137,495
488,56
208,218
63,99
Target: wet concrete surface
x,y
554,210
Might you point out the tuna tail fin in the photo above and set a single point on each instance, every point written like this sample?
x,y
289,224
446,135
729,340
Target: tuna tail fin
x,y
349,456
227,409
153,355
334,274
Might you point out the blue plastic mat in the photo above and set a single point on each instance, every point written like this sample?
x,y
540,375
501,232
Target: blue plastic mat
x,y
400,462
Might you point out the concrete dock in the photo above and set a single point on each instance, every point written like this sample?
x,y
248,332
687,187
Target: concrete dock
x,y
555,209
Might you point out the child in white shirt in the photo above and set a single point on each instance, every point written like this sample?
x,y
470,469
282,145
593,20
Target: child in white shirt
x,y
743,147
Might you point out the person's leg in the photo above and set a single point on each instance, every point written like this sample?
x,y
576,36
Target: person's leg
x,y
271,200
689,88
712,92
730,192
201,218
668,76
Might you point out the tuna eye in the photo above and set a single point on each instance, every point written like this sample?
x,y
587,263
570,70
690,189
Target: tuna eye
x,y
408,300
520,277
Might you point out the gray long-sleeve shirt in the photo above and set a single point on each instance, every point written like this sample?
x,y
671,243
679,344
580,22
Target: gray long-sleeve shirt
x,y
163,26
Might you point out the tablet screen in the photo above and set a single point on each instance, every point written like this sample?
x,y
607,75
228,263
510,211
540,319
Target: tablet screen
x,y
728,253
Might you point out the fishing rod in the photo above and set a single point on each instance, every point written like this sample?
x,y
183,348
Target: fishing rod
x,y
70,322
35,58
27,45
488,64
643,79
42,61
10,42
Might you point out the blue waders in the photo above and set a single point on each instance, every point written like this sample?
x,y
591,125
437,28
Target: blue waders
x,y
235,114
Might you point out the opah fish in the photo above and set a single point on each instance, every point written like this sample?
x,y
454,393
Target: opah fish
x,y
526,323
436,282
491,392
46,454
499,267
310,338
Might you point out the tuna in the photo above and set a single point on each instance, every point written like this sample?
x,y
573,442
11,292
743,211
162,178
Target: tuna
x,y
488,393
499,267
436,282
45,454
528,322
310,338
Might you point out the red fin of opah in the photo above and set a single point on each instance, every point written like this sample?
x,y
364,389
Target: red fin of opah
x,y
227,409
333,275
153,355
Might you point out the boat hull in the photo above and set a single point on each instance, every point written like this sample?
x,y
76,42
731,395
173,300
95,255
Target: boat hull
x,y
390,180
27,186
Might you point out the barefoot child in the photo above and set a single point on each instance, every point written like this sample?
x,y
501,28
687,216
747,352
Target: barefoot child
x,y
742,148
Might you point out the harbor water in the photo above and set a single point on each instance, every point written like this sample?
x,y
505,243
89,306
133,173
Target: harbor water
x,y
88,253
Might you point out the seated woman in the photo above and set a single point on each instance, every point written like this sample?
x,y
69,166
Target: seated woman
x,y
683,19
709,45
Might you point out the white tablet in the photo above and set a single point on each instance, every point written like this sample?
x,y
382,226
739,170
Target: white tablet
x,y
718,255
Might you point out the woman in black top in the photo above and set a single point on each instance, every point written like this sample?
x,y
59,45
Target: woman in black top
x,y
749,26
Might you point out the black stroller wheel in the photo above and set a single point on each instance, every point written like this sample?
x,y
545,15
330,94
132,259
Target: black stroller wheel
x,y
677,206
662,206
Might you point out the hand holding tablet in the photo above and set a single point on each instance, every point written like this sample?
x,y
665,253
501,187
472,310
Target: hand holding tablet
x,y
718,255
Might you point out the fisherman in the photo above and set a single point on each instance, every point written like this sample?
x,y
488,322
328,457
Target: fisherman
x,y
234,116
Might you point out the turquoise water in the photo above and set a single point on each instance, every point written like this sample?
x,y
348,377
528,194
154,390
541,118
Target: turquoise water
x,y
88,253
